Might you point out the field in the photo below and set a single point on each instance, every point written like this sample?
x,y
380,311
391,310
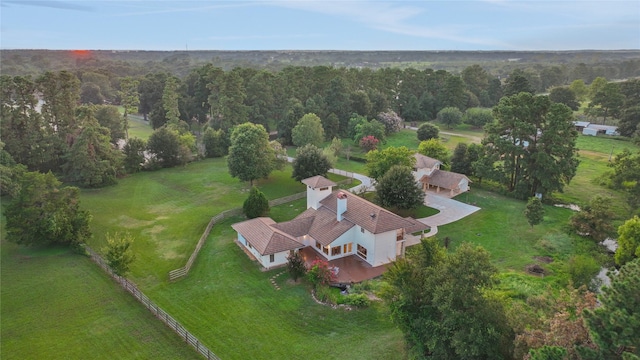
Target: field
x,y
59,305
226,300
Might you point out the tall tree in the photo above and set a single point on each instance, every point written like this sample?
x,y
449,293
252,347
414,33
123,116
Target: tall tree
x,y
250,155
434,148
536,142
310,161
517,84
233,111
450,116
380,161
442,305
60,95
134,155
579,88
129,99
45,213
170,99
615,324
109,117
460,162
164,144
478,117
398,189
626,172
308,130
607,101
215,143
338,101
91,160
564,95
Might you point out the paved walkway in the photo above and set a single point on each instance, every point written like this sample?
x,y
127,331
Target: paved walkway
x,y
450,211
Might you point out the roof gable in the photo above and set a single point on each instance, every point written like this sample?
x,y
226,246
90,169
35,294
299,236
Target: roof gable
x,y
444,179
369,216
423,161
318,182
264,237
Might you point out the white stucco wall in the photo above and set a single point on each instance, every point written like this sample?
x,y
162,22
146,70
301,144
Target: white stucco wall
x,y
315,195
464,185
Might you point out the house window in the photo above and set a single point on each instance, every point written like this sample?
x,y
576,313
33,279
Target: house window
x,y
318,246
325,249
362,251
347,248
272,258
362,230
335,251
324,188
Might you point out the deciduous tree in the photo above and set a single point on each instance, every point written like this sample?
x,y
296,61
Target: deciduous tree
x,y
45,213
397,188
310,161
118,253
434,148
215,143
442,305
391,121
626,172
427,131
450,116
564,95
250,155
478,117
380,161
134,155
308,130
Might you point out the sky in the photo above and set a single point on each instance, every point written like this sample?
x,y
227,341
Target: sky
x,y
319,25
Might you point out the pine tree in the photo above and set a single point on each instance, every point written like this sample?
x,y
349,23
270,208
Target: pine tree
x,y
534,211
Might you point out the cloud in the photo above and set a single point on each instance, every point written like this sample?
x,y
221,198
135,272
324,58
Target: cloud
x,y
65,5
392,17
162,8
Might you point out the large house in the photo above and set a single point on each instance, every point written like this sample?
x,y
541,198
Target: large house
x,y
427,172
336,224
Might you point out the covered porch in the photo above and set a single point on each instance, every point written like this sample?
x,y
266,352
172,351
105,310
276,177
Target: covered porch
x,y
350,269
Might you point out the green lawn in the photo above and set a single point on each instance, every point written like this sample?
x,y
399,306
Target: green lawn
x,y
60,305
233,307
167,210
139,128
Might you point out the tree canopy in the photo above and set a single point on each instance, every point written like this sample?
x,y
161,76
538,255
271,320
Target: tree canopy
x,y
45,213
308,130
628,241
398,189
442,305
310,161
250,155
534,212
380,161
534,142
256,204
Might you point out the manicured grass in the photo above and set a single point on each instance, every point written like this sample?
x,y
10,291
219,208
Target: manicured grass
x,y
502,229
139,128
59,305
167,210
232,306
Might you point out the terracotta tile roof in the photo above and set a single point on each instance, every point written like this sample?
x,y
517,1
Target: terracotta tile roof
x,y
264,237
417,226
325,227
444,179
361,212
296,227
423,161
318,182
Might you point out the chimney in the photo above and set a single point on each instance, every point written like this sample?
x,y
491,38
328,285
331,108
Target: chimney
x,y
342,205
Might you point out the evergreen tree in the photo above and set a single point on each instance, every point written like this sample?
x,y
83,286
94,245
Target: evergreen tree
x,y
215,143
134,155
628,241
256,204
534,211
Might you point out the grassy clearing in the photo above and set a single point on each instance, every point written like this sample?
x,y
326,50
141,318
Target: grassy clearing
x,y
59,305
166,211
232,306
139,128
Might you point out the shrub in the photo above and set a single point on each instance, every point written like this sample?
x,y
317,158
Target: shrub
x,y
427,131
256,204
582,269
369,143
320,274
296,266
358,300
391,121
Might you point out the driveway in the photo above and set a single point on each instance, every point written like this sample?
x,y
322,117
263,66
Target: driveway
x,y
450,211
